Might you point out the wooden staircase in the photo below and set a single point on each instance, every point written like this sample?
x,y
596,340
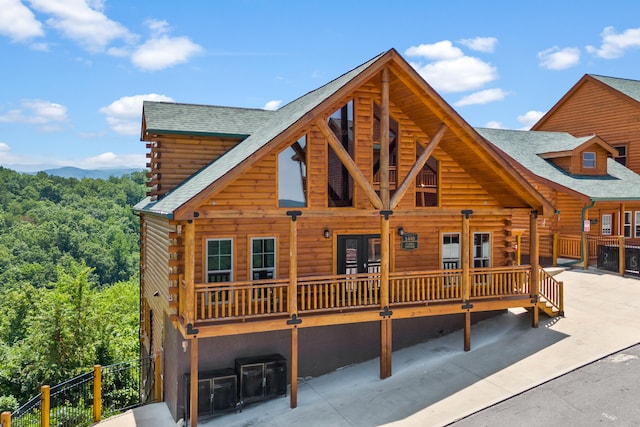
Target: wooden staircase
x,y
550,294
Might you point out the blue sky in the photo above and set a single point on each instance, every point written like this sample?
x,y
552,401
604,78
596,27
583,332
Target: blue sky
x,y
74,73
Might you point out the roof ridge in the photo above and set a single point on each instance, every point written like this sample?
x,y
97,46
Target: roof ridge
x,y
209,105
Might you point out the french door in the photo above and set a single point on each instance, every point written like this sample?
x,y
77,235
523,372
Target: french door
x,y
358,253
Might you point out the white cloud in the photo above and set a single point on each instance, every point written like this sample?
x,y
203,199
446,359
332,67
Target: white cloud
x,y
111,160
163,52
481,44
614,44
530,118
83,22
272,105
559,59
482,97
494,125
18,22
123,115
48,116
4,148
452,70
439,51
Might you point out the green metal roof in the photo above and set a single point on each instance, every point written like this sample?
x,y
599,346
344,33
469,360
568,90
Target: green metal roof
x,y
192,119
525,147
278,122
631,88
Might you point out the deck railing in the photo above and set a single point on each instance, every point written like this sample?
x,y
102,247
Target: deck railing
x,y
569,246
500,281
251,299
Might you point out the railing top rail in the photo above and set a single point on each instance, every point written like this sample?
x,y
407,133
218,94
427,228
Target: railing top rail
x,y
240,284
28,406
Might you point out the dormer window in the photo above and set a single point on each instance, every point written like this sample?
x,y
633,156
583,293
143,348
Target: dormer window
x,y
589,160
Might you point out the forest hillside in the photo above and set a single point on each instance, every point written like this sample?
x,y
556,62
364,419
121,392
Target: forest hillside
x,y
69,271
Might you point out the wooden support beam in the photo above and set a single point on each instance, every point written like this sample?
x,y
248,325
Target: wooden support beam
x,y
384,139
385,323
417,167
193,385
467,331
465,253
535,264
347,161
293,400
621,257
189,272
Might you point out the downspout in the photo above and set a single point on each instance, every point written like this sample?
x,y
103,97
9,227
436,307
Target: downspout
x,y
581,260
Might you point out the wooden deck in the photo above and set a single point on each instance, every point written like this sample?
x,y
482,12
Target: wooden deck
x,y
410,294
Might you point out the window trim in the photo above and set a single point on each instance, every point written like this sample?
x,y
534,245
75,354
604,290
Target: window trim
x,y
489,257
623,157
442,258
251,239
585,165
206,259
627,224
602,229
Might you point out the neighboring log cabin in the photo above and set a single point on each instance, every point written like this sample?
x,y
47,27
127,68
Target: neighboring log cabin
x,y
362,217
592,192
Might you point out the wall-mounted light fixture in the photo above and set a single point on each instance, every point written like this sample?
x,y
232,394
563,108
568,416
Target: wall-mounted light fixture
x,y
326,233
156,293
400,231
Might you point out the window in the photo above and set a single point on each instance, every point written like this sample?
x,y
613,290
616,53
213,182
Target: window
x,y
427,181
588,160
481,250
263,258
450,251
606,224
339,182
219,260
622,154
627,224
637,222
292,175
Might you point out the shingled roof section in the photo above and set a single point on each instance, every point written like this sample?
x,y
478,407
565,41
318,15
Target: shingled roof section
x,y
280,120
631,88
204,120
525,148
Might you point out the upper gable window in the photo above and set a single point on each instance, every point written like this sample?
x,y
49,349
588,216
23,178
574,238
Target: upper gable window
x,y
339,181
292,175
588,160
427,181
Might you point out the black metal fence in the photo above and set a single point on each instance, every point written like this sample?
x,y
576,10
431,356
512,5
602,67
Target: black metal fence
x,y
73,403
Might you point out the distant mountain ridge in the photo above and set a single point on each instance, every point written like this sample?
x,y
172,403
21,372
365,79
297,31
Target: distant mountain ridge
x,y
73,172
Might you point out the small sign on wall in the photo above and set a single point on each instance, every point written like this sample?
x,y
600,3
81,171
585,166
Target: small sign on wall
x,y
409,241
587,225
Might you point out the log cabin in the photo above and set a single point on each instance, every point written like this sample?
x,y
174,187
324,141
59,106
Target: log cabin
x,y
592,192
606,106
362,217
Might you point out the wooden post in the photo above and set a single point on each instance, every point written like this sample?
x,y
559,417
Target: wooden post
x,y
293,304
293,400
585,251
97,392
534,261
385,323
465,253
189,271
384,140
193,386
518,248
621,254
5,419
157,379
45,405
554,255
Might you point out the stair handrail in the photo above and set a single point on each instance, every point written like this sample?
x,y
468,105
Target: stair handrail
x,y
551,291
